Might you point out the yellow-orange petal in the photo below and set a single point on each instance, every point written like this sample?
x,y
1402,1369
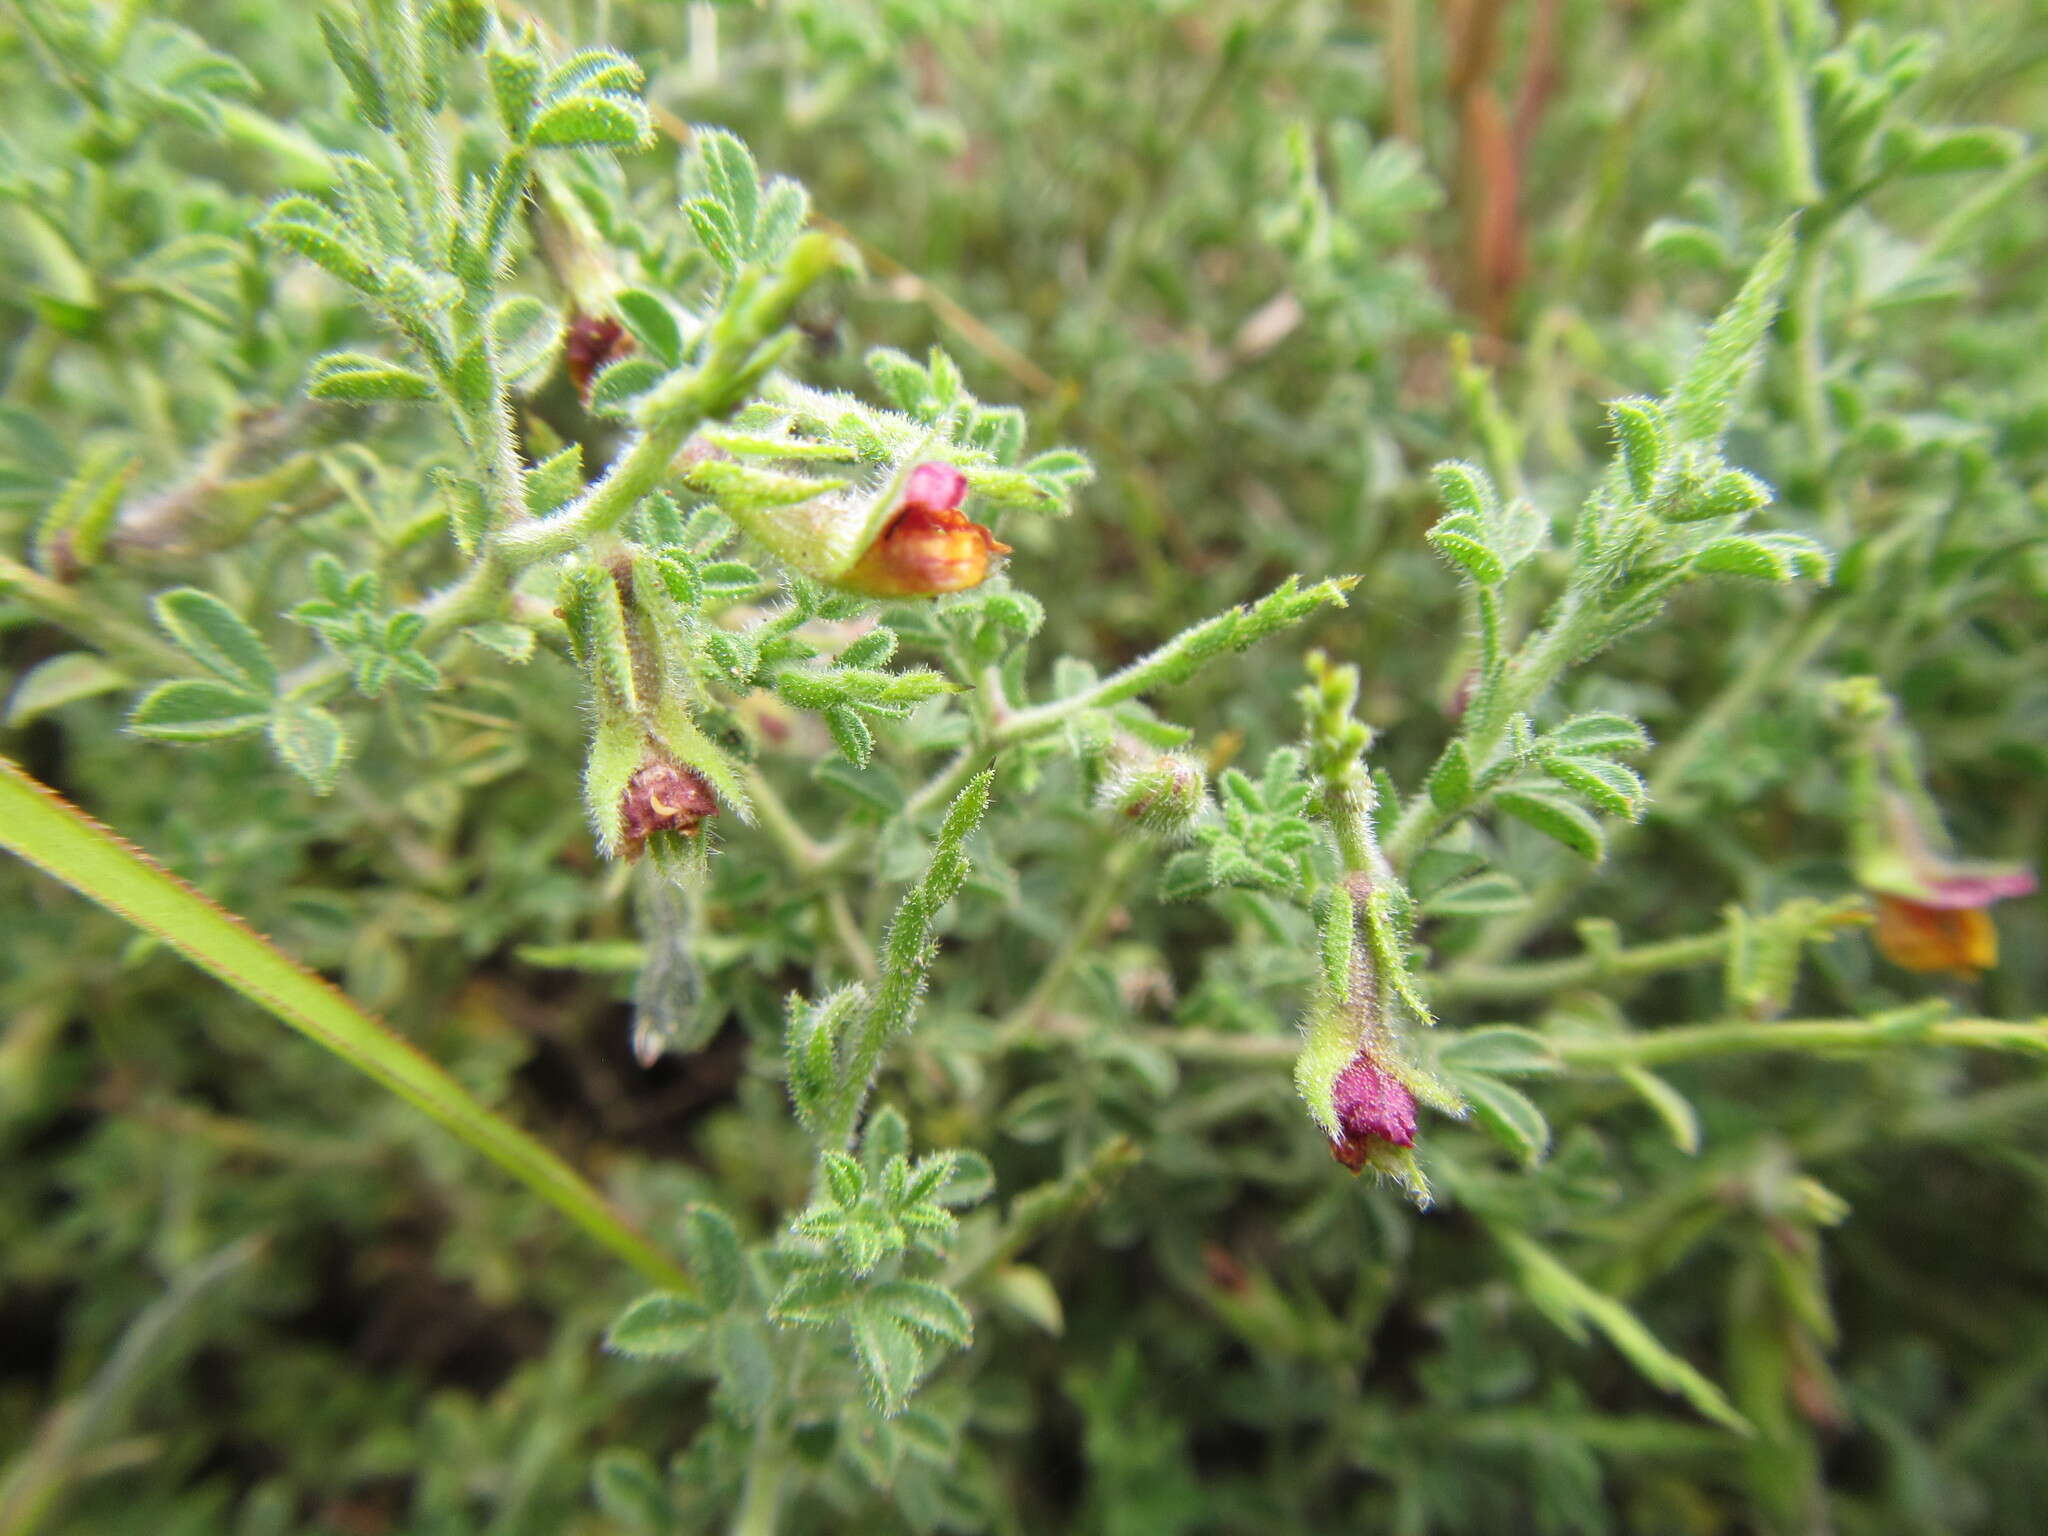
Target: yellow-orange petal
x,y
924,552
1923,938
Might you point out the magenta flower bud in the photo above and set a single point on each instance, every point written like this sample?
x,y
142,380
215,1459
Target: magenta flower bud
x,y
1372,1105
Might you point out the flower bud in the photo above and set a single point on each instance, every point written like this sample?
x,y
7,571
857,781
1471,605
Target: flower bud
x,y
1374,1108
662,797
928,546
1161,793
590,343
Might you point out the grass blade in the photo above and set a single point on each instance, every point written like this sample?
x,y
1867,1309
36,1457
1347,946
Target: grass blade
x,y
46,830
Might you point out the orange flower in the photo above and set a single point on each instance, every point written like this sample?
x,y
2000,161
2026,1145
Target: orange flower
x,y
929,546
1932,909
1919,937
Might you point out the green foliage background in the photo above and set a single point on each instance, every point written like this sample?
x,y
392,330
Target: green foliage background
x,y
1264,264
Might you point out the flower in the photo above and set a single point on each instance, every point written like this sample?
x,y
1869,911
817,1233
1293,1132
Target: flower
x,y
928,546
1374,1108
1931,908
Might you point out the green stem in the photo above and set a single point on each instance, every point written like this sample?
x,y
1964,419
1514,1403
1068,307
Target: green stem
x,y
1789,111
1105,889
744,350
760,1507
1542,978
1687,1042
1809,361
839,917
42,828
1796,640
70,608
1519,686
1820,1037
36,1482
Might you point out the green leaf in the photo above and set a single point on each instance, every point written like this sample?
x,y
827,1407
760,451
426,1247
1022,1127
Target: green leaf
x,y
966,1179
357,69
514,642
629,1490
1459,539
593,69
1732,493
42,828
1597,733
470,377
1946,151
1639,438
469,510
725,168
1466,488
555,482
1450,781
660,1327
1704,401
1507,1114
591,122
309,741
1556,818
526,333
1682,243
714,230
1500,1049
1486,895
816,1296
652,323
930,1309
1672,1107
844,1179
60,680
889,1358
748,487
515,83
71,536
1026,1291
1775,557
357,376
928,1437
597,627
311,230
195,710
613,392
745,1365
1569,1302
1613,788
215,636
850,734
712,1245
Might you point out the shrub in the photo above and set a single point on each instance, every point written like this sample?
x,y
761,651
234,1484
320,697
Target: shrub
x,y
1302,931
